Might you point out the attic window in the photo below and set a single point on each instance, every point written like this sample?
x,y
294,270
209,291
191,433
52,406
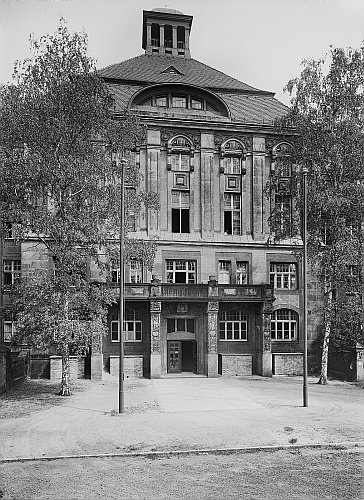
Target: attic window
x,y
171,70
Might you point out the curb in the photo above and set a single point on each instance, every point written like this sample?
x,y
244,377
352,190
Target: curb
x,y
209,451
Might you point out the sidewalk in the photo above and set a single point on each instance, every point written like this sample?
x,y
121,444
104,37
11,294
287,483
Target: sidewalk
x,y
183,413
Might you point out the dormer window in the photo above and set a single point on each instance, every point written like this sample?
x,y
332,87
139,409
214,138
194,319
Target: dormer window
x,y
180,97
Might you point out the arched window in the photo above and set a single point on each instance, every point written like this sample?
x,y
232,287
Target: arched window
x,y
233,325
132,326
284,325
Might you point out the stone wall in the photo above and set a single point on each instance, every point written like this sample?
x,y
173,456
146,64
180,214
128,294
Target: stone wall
x,y
77,367
287,363
133,366
236,365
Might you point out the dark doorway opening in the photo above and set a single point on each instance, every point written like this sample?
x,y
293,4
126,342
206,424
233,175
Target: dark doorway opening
x,y
182,356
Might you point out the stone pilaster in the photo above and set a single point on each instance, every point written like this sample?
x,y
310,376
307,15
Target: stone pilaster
x,y
155,341
212,322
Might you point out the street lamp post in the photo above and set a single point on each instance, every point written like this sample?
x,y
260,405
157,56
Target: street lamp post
x,y
121,296
304,272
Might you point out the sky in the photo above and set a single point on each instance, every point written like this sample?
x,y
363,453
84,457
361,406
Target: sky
x,y
259,42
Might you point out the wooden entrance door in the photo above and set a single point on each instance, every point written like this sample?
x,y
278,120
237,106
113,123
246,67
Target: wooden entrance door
x,y
174,356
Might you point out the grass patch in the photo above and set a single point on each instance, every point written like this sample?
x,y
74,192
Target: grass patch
x,y
34,395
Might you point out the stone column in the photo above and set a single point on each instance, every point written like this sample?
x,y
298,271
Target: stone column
x,y
187,39
149,38
96,358
155,341
264,353
212,313
174,41
161,39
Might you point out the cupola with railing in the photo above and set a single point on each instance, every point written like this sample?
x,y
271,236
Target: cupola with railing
x,y
166,32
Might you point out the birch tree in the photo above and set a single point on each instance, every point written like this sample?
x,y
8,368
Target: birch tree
x,y
326,126
61,189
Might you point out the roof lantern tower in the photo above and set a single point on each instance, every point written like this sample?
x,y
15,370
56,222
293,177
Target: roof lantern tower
x,y
166,32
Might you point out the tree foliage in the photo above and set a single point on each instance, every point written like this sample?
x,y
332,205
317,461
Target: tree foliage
x,y
327,116
60,187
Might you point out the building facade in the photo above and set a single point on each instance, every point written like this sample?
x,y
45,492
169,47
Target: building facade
x,y
221,299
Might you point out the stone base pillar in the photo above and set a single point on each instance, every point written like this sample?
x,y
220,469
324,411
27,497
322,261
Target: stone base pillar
x,y
155,365
264,364
155,355
212,365
359,363
96,367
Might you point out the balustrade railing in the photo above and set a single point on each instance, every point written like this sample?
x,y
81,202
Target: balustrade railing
x,y
198,291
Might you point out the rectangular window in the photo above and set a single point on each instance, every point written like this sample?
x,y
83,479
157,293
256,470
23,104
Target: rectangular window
x,y
9,328
181,271
283,276
12,272
232,165
135,271
180,211
224,272
161,101
241,276
115,275
179,102
196,104
132,326
233,325
180,325
232,213
180,161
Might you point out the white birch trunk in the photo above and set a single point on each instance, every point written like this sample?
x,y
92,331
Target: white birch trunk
x,y
325,345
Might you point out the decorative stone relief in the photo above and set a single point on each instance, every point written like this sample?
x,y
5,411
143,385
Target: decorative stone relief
x,y
212,307
219,139
267,310
166,136
155,306
212,311
155,320
182,308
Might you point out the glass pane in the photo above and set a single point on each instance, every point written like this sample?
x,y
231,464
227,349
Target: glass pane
x,y
170,325
229,329
179,102
114,331
196,104
185,162
161,101
191,325
236,201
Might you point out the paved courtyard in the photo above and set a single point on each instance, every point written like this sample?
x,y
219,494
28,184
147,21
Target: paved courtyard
x,y
188,413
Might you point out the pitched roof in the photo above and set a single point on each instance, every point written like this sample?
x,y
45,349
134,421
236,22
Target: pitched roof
x,y
151,69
